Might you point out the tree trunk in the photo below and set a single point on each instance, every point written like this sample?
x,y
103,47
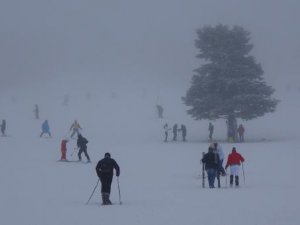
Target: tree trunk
x,y
231,128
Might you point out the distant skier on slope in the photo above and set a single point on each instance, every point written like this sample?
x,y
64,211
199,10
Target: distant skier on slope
x,y
234,161
36,111
3,127
211,131
160,111
166,129
241,131
75,127
82,145
183,132
175,130
104,170
45,128
64,149
210,160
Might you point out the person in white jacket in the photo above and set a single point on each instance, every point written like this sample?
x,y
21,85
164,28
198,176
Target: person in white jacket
x,y
218,149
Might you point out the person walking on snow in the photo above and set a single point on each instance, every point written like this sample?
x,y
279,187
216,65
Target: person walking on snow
x,y
75,127
81,144
166,129
234,160
64,149
218,149
175,130
211,160
183,132
104,170
211,130
36,111
241,131
3,127
45,128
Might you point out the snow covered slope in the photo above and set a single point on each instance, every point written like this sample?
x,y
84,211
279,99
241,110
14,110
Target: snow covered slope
x,y
159,181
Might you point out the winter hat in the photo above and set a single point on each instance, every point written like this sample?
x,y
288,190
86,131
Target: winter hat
x,y
107,155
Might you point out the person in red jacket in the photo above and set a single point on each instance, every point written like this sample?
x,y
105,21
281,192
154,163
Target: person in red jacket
x,y
234,160
64,149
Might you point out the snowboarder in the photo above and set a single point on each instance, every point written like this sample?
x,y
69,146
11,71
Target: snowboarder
x,y
211,131
75,127
210,161
45,128
64,149
104,170
166,129
175,130
241,131
36,111
81,144
3,128
183,132
234,161
160,111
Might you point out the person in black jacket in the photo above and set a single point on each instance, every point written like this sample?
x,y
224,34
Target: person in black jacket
x,y
81,144
211,161
175,130
183,132
3,127
104,170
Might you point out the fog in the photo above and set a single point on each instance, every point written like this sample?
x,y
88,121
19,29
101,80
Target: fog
x,y
154,40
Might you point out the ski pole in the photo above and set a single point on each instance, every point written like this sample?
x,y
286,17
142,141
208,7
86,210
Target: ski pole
x,y
203,174
73,151
119,191
93,192
226,178
243,173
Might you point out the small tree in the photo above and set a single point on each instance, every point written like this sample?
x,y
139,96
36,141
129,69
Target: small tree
x,y
230,84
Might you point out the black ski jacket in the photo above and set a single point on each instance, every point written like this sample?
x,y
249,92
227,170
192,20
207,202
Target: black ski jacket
x,y
106,166
211,160
81,142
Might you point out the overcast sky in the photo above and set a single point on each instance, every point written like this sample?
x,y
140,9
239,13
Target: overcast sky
x,y
41,39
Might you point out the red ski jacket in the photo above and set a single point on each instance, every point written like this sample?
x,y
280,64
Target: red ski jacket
x,y
234,158
64,145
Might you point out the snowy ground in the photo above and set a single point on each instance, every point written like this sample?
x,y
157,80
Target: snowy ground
x,y
159,181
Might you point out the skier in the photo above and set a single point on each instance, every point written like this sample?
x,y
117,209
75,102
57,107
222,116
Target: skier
x,y
160,111
175,130
45,128
218,149
64,149
234,161
211,130
183,132
241,131
3,127
104,170
75,127
210,161
36,111
81,144
166,129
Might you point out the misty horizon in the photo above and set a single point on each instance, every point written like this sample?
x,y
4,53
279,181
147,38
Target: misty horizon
x,y
42,40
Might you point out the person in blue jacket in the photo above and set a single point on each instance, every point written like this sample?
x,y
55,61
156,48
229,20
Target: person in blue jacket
x,y
45,128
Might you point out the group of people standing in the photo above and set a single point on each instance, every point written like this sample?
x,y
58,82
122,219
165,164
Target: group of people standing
x,y
240,131
81,143
175,130
213,164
